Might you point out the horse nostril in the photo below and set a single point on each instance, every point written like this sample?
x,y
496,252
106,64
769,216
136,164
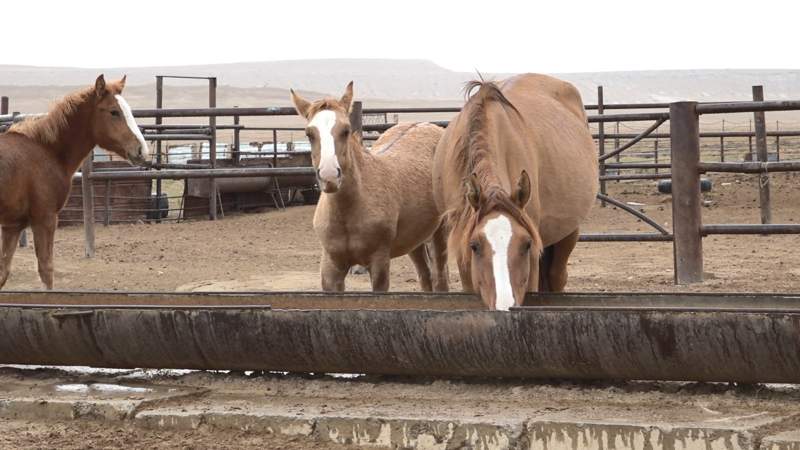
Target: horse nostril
x,y
318,174
338,172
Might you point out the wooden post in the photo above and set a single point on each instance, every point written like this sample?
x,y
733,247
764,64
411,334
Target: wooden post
x,y
88,204
686,208
601,142
761,148
212,148
356,121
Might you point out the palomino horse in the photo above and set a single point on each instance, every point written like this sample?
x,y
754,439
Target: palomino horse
x,y
375,205
39,156
515,174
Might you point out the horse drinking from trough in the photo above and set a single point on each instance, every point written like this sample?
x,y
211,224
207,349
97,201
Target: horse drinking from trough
x,y
39,156
515,174
375,205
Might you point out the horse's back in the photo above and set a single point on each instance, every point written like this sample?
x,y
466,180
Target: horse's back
x,y
408,140
533,87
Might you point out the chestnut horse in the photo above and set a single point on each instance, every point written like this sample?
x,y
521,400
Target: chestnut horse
x,y
375,205
515,174
39,156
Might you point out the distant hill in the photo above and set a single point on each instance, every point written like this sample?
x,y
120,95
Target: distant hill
x,y
419,80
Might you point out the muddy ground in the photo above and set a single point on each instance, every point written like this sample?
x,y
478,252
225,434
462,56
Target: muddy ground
x,y
277,250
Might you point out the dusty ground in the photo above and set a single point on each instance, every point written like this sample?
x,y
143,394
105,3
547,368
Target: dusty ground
x,y
277,250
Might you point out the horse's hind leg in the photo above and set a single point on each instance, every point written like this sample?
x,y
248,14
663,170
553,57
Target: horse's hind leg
x,y
440,273
557,272
43,235
10,238
419,256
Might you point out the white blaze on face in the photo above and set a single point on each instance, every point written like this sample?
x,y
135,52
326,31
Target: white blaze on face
x,y
128,114
498,233
324,121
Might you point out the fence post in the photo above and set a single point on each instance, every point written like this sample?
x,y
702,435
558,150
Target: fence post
x,y
87,191
761,148
601,142
212,148
722,143
655,152
3,105
356,121
236,156
274,148
777,140
159,157
686,209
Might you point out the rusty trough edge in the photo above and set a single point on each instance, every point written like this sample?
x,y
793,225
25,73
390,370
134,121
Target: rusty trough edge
x,y
701,337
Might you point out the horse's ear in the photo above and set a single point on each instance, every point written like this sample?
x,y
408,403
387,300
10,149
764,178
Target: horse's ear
x,y
473,191
121,83
100,86
300,104
347,99
522,193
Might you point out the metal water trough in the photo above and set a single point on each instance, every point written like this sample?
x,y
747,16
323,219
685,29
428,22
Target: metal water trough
x,y
702,337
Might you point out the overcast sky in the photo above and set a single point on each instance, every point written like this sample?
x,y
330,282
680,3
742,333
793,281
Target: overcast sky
x,y
548,36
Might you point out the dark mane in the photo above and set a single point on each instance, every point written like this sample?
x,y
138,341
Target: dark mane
x,y
47,129
473,158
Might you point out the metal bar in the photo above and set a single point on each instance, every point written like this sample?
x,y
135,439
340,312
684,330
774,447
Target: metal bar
x,y
761,149
750,167
750,229
212,155
356,119
107,202
686,208
601,144
215,112
625,237
639,176
158,120
87,191
647,165
734,107
635,140
177,137
632,117
688,339
236,141
3,105
203,173
634,212
274,148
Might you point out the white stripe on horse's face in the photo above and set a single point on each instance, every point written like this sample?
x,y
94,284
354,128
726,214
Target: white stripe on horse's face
x,y
324,121
498,232
128,114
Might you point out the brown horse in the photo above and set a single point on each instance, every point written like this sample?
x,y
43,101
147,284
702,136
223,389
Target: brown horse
x,y
515,174
39,156
375,205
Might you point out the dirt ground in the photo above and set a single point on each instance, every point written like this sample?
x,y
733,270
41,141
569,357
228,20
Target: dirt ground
x,y
277,250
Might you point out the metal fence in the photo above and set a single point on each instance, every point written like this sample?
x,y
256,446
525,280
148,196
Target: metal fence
x,y
683,164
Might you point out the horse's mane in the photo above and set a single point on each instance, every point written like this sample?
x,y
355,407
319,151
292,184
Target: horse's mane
x,y
46,129
473,159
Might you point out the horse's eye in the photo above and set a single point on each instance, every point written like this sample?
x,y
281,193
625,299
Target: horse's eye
x,y
308,134
475,246
526,247
345,132
115,113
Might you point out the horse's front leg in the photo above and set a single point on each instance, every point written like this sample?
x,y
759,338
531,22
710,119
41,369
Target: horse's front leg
x,y
44,231
379,271
441,277
419,256
10,239
332,274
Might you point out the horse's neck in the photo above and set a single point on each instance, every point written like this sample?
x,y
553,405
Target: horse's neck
x,y
74,140
351,192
